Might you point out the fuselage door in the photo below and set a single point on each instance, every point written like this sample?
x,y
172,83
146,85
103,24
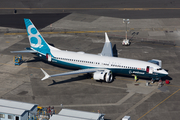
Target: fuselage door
x,y
149,70
48,57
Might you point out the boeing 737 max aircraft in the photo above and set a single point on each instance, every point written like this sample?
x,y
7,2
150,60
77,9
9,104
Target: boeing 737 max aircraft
x,y
102,66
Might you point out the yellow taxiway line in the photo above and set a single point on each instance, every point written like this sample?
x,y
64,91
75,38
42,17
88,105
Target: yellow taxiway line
x,y
99,31
68,32
90,8
159,104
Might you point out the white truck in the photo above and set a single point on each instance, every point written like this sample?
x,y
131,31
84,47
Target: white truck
x,y
125,42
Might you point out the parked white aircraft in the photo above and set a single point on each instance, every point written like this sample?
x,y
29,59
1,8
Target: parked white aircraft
x,y
102,66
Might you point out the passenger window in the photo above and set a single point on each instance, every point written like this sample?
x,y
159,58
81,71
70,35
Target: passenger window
x,y
17,118
10,117
2,116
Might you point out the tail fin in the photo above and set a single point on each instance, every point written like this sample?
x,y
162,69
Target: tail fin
x,y
37,42
107,49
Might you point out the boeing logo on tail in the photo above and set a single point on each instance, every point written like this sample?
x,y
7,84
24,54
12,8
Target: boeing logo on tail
x,y
102,66
37,42
33,35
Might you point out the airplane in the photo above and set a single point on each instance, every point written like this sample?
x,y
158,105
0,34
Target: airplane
x,y
102,66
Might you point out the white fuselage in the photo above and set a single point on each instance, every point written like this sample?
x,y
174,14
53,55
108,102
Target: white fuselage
x,y
102,66
83,60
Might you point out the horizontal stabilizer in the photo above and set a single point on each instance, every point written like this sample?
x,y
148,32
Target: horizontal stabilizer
x,y
46,75
24,51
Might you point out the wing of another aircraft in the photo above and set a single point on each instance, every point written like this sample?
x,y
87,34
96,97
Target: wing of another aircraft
x,y
107,49
71,73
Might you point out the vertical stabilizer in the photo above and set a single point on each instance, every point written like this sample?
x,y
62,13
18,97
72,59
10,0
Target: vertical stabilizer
x,y
37,42
107,49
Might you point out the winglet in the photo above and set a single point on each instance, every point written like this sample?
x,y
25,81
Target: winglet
x,y
46,75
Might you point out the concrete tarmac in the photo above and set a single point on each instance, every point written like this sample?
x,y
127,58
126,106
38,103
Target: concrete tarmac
x,y
154,34
157,39
138,9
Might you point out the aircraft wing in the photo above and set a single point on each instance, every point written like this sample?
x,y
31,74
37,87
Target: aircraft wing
x,y
70,73
24,51
107,49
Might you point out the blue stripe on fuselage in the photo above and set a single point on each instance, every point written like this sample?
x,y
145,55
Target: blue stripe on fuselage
x,y
140,73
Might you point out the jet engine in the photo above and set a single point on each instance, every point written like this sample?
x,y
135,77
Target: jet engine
x,y
103,75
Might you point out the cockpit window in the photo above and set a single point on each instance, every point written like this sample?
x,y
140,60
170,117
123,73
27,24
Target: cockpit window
x,y
159,69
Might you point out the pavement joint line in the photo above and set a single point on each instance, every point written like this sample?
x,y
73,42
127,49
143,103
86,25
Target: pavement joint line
x,y
130,94
137,104
158,104
11,89
101,85
104,104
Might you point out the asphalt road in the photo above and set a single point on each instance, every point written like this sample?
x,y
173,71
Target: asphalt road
x,y
136,9
90,3
41,20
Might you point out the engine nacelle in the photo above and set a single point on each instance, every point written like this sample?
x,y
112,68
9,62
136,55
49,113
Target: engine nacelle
x,y
103,75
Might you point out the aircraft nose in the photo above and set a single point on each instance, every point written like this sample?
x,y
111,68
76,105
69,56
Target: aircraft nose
x,y
165,72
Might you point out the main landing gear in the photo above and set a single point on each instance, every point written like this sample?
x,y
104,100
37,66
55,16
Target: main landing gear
x,y
160,82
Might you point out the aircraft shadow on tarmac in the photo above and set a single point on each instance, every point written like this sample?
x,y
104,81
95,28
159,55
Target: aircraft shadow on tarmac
x,y
79,78
36,59
40,20
115,52
166,78
89,76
